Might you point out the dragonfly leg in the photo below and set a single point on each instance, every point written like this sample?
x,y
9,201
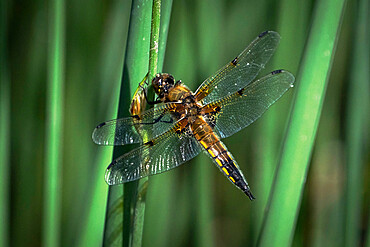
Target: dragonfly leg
x,y
158,119
147,100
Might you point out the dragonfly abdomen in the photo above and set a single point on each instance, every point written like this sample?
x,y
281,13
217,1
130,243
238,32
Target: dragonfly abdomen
x,y
228,166
223,158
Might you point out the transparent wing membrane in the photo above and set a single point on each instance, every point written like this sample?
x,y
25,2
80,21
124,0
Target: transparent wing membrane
x,y
163,153
245,106
241,71
124,131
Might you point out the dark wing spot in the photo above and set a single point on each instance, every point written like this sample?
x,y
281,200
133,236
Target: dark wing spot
x,y
149,143
276,71
263,34
241,91
217,109
111,164
235,61
100,125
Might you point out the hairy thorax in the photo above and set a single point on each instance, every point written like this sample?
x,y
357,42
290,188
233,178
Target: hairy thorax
x,y
190,108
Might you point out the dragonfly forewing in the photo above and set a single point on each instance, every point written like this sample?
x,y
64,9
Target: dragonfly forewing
x,y
241,70
151,123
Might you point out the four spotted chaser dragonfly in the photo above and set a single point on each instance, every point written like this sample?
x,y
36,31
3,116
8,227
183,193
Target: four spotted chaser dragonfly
x,y
185,123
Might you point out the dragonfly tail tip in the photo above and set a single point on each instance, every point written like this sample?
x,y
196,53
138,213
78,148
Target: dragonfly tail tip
x,y
249,194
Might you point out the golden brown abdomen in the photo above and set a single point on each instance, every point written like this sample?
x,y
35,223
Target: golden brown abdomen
x,y
218,151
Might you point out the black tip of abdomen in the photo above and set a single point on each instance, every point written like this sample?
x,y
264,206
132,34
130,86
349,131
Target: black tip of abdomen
x,y
249,194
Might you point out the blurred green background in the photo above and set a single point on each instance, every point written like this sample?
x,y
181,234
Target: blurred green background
x,y
193,205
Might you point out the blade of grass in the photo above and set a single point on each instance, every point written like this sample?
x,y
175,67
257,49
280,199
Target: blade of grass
x,y
166,8
136,62
324,202
287,56
152,70
4,128
284,203
111,63
356,122
84,29
52,186
121,198
27,62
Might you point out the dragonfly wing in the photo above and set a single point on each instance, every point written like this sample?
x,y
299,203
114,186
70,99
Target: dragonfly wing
x,y
242,108
241,71
123,131
161,154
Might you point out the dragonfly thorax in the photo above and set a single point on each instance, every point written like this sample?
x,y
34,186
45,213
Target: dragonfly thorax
x,y
191,107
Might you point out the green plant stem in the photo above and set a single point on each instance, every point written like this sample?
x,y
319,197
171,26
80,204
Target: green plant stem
x,y
154,38
52,186
284,203
356,122
111,63
136,63
287,56
152,70
4,128
121,198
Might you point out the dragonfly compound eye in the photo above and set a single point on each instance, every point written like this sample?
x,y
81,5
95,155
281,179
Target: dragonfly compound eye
x,y
169,80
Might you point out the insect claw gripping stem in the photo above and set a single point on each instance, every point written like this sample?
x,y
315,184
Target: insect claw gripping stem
x,y
142,87
147,100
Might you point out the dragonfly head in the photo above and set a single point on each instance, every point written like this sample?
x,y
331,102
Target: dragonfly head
x,y
162,84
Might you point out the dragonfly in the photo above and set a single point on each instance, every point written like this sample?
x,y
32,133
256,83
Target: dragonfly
x,y
183,123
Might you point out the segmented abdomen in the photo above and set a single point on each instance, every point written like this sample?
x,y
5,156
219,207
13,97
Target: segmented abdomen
x,y
218,151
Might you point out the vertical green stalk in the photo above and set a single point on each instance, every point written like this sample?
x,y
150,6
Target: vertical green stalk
x,y
54,113
279,225
111,63
152,70
125,214
154,38
4,128
356,122
287,56
119,220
